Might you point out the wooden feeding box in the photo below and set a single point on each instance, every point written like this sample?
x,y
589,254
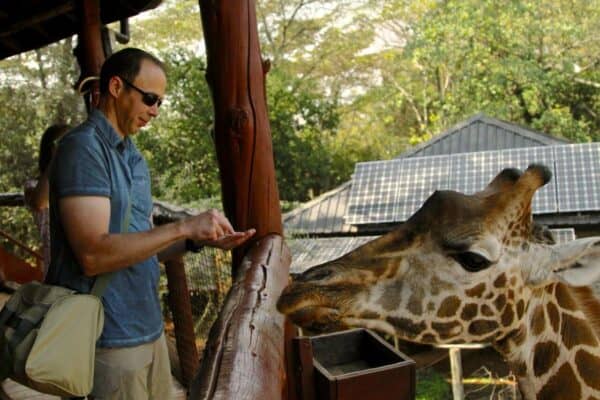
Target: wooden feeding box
x,y
348,365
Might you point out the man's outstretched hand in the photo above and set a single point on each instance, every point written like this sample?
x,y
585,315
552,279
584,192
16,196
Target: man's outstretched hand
x,y
230,240
212,228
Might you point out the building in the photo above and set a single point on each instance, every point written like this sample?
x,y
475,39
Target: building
x,y
383,194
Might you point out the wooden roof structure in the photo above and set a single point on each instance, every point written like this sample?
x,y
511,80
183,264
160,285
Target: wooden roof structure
x,y
30,24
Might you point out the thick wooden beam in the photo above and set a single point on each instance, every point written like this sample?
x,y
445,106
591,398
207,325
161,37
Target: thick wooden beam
x,y
244,355
91,52
236,76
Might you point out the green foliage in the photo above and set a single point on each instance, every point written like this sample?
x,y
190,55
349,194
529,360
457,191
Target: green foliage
x,y
529,62
350,81
431,385
35,92
178,146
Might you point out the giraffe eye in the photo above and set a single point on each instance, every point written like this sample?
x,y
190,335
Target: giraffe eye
x,y
472,262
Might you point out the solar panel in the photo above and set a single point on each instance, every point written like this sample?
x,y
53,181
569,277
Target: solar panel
x,y
563,235
578,177
471,172
420,177
373,192
307,253
391,191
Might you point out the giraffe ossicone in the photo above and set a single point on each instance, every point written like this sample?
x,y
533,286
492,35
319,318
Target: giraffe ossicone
x,y
471,269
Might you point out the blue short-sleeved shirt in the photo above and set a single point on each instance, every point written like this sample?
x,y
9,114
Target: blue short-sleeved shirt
x,y
93,160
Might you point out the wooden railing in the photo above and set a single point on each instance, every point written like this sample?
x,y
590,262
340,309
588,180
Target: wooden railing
x,y
244,357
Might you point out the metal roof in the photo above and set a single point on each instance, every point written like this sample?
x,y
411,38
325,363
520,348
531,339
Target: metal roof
x,y
324,215
481,133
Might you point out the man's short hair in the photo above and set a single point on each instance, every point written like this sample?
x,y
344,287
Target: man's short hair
x,y
125,63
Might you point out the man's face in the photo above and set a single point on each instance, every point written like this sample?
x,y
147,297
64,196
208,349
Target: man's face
x,y
131,112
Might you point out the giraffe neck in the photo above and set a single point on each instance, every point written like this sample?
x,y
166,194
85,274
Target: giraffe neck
x,y
555,351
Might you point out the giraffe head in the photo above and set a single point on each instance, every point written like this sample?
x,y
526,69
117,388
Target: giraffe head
x,y
462,269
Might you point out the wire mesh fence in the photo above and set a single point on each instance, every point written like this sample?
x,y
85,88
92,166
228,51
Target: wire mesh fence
x,y
208,276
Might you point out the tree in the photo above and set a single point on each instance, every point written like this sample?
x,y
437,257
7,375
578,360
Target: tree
x,y
529,62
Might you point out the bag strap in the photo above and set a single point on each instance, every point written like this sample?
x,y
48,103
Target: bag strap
x,y
102,280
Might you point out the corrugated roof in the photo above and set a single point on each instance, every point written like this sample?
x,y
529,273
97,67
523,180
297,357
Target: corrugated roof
x,y
324,215
481,133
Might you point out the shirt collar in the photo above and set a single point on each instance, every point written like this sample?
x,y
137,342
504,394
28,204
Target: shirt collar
x,y
106,130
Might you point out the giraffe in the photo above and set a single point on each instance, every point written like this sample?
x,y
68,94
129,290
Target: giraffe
x,y
472,269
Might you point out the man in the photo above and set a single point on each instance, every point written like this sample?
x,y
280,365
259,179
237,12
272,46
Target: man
x,y
97,176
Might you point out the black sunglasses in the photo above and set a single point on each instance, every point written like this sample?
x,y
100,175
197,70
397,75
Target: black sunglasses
x,y
148,99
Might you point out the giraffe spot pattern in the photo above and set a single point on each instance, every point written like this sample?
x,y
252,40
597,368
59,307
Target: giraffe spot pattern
x,y
520,308
521,335
447,330
390,298
476,291
449,307
428,338
469,312
415,303
500,281
588,366
561,386
553,315
406,326
538,320
507,316
482,326
500,302
369,315
564,298
544,357
576,331
438,285
486,310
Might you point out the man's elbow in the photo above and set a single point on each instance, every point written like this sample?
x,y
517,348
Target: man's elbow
x,y
89,264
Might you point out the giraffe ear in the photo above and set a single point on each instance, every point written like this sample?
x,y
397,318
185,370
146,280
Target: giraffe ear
x,y
577,263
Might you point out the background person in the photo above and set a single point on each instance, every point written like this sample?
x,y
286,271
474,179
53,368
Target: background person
x,y
36,190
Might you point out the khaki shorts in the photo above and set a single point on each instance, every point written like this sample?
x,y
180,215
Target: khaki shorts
x,y
133,373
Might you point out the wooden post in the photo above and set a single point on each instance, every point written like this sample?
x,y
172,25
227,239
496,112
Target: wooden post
x,y
180,305
90,51
236,76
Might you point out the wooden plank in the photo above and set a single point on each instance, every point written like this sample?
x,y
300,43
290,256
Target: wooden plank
x,y
244,355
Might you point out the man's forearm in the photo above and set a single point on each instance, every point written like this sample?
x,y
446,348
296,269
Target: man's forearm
x,y
112,252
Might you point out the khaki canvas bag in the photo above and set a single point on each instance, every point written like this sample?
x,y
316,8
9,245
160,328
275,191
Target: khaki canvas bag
x,y
48,339
48,335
